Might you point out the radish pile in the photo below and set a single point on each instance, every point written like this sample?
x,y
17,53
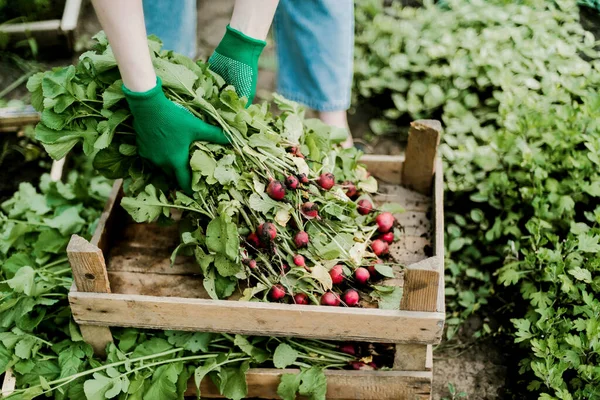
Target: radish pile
x,y
282,214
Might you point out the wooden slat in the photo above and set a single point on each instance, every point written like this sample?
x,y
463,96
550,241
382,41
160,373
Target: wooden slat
x,y
341,385
438,238
12,118
410,357
70,15
255,318
9,383
160,285
112,213
421,155
89,274
421,281
387,169
52,25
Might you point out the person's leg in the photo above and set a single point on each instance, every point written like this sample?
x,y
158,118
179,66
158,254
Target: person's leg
x,y
174,22
315,44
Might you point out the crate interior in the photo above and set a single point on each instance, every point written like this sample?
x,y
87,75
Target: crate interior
x,y
138,259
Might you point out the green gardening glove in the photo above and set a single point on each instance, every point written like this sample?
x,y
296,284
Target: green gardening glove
x,y
165,131
236,60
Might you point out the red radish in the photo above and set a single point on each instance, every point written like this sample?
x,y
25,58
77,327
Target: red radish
x,y
292,149
330,299
348,349
351,297
387,237
292,182
358,365
364,207
300,298
266,232
277,292
326,180
301,239
351,190
372,269
380,247
372,365
276,190
361,275
385,221
299,260
303,178
253,240
337,274
310,210
250,263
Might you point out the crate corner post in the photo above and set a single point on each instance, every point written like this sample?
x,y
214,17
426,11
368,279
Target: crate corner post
x,y
421,155
90,275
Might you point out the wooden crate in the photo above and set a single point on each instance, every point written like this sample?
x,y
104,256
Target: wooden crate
x,y
123,278
50,31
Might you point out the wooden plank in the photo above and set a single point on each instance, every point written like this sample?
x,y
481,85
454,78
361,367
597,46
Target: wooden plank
x,y
160,285
387,169
255,318
12,118
89,274
438,238
112,212
89,269
52,25
414,223
341,385
409,249
70,15
421,283
421,155
410,357
9,383
97,337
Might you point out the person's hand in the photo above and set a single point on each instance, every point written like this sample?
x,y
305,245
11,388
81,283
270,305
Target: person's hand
x,y
166,130
236,60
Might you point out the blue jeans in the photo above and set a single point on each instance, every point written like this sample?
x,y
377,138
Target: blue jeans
x,y
314,41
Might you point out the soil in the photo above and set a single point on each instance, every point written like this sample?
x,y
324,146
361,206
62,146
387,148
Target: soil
x,y
479,370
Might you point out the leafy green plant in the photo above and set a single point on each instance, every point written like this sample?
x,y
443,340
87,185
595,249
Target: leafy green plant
x,y
519,100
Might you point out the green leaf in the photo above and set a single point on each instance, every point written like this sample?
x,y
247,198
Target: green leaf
x,y
258,355
226,267
231,382
284,356
107,128
393,208
23,281
581,274
385,270
164,380
289,386
225,171
103,387
202,371
191,341
113,94
55,83
146,206
314,384
205,165
175,76
222,238
390,300
261,204
588,244
68,222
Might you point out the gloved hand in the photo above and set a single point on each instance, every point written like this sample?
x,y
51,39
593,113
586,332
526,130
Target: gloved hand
x,y
166,130
236,60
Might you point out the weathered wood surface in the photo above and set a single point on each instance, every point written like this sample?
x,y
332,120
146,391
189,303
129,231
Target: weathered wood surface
x,y
253,318
111,219
9,383
13,118
341,385
421,155
387,169
410,357
438,233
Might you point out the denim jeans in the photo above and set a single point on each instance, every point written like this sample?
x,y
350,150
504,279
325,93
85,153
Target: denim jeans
x,y
314,41
174,22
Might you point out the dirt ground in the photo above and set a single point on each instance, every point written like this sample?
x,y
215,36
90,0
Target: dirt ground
x,y
479,370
